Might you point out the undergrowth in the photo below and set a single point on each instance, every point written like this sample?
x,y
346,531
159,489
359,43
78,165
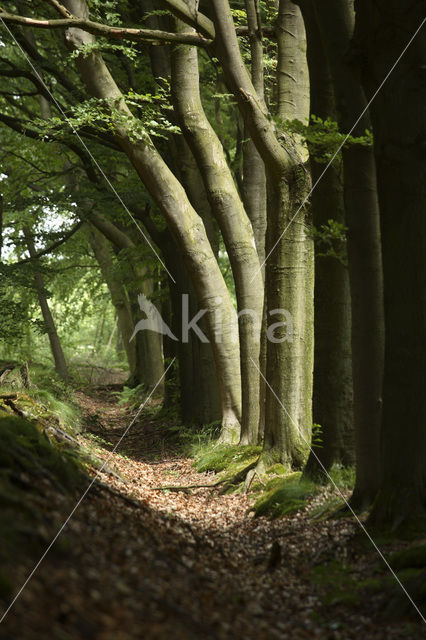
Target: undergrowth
x,y
40,463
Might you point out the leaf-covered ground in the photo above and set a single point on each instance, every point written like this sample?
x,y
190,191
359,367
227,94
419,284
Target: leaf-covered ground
x,y
136,561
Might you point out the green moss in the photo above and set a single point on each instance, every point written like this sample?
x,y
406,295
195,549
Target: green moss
x,y
343,477
43,407
23,446
276,469
387,581
283,496
218,458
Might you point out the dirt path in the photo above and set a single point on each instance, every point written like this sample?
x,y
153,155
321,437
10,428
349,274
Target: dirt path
x,y
184,565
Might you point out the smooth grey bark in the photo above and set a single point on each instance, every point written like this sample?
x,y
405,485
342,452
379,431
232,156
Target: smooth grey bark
x,y
54,341
233,222
292,67
289,273
399,124
336,20
254,176
291,263
332,388
183,221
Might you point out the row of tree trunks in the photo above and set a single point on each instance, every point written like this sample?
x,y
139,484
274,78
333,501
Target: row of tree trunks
x,y
336,22
289,269
233,222
184,223
104,256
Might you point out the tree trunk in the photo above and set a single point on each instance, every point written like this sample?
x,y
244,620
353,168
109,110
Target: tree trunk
x,y
289,271
332,388
399,122
55,343
118,294
183,221
336,20
234,224
254,176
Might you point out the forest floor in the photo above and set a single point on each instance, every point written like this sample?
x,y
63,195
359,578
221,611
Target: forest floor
x,y
139,562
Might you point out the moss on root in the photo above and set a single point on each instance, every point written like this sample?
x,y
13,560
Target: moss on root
x,y
283,496
221,457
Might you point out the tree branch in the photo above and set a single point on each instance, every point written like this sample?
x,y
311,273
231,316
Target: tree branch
x,y
113,33
52,247
195,19
63,11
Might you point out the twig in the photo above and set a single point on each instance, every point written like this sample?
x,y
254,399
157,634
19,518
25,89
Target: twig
x,y
187,487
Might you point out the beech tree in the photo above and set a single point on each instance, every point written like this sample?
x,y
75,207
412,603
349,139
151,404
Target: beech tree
x,y
382,33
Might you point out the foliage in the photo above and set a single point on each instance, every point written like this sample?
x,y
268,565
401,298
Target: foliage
x,y
330,240
131,397
324,138
106,116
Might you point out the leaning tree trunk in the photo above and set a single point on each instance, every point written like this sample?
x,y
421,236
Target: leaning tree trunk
x,y
289,270
399,121
336,20
55,343
182,219
232,219
332,388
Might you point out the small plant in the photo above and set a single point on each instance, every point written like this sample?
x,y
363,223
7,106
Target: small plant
x,y
131,397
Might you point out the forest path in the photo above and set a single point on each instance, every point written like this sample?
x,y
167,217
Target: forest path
x,y
182,565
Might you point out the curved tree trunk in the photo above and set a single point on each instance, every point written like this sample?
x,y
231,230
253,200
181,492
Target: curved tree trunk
x,y
289,269
254,176
233,221
183,221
